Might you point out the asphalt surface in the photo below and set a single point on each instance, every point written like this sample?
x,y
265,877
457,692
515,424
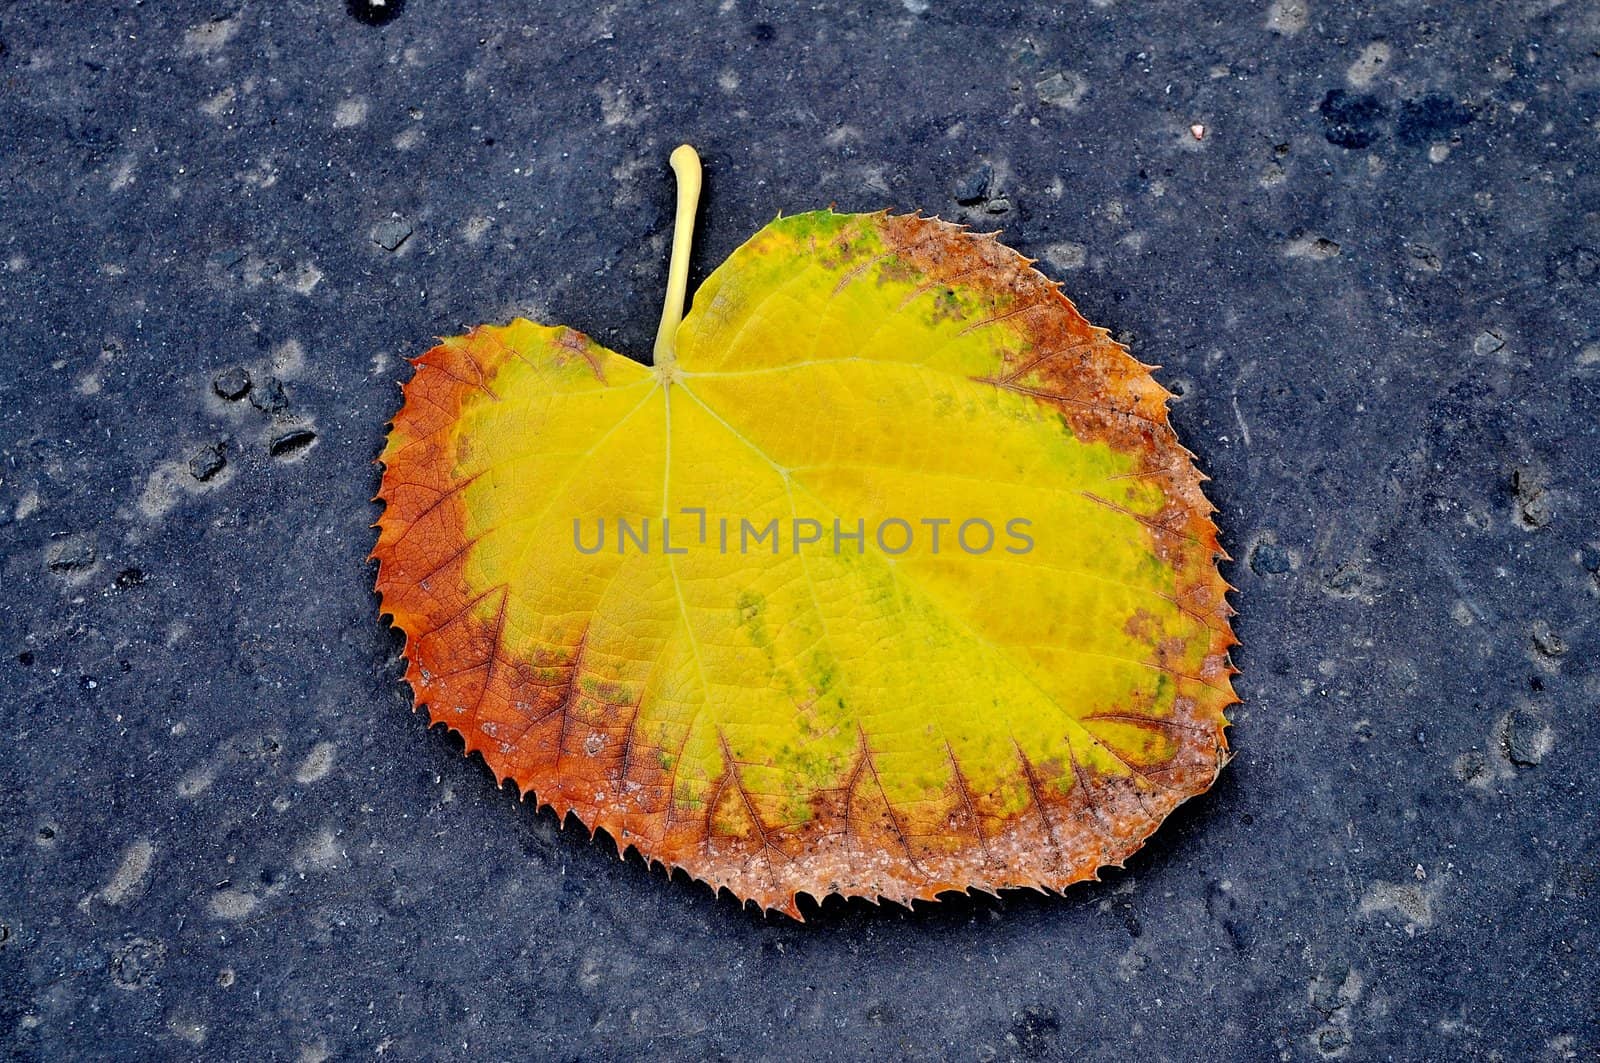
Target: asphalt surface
x,y
1362,239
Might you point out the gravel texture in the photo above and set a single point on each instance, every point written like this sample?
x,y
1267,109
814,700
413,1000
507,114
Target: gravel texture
x,y
1363,239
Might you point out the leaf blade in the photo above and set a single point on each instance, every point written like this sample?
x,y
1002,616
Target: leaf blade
x,y
866,722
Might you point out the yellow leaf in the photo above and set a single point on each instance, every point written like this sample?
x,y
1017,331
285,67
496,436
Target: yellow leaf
x,y
889,578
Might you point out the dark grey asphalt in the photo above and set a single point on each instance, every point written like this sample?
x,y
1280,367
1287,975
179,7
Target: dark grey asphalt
x,y
1374,278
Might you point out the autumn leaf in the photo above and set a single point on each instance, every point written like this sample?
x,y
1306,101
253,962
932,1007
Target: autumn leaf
x,y
979,639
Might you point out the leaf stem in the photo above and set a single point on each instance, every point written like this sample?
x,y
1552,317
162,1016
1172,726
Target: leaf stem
x,y
686,165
